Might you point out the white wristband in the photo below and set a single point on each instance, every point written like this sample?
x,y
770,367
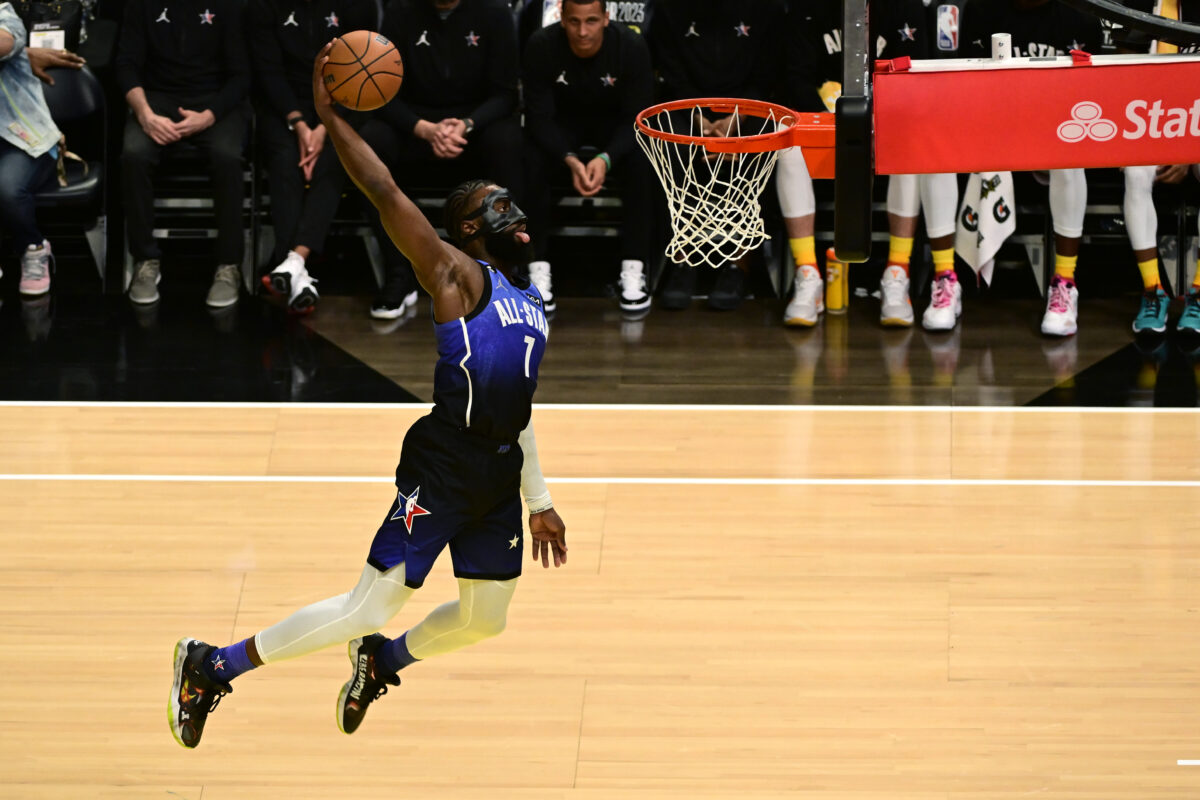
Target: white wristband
x,y
533,485
539,504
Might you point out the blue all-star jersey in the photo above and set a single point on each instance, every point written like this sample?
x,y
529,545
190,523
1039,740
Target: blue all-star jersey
x,y
488,361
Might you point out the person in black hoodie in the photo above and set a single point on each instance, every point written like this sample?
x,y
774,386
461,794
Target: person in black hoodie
x,y
455,115
183,69
721,48
585,80
286,37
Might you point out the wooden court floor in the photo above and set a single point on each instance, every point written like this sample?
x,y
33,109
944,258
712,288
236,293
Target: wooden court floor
x,y
819,604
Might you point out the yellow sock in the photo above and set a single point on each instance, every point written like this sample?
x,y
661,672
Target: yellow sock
x,y
1064,266
1196,280
804,251
900,251
1149,270
943,260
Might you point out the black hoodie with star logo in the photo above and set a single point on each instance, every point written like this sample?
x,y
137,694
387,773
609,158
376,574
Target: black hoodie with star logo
x,y
286,35
571,101
190,49
719,48
461,65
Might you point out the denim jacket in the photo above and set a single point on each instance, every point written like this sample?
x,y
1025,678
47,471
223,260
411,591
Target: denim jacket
x,y
25,119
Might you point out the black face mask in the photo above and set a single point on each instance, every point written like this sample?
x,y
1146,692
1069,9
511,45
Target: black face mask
x,y
506,247
497,212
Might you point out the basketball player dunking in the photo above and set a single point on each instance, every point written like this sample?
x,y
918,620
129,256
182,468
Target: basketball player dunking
x,y
462,468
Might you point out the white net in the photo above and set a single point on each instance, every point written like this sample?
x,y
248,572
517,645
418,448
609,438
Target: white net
x,y
713,198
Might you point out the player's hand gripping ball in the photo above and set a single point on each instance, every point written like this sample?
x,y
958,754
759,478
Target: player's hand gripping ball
x,y
364,70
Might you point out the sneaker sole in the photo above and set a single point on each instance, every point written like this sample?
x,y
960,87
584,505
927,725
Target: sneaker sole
x,y
937,326
181,651
305,302
895,322
800,322
1160,329
635,306
34,292
279,285
221,303
341,701
1071,332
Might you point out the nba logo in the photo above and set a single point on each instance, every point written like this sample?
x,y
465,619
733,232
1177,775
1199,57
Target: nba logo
x,y
947,28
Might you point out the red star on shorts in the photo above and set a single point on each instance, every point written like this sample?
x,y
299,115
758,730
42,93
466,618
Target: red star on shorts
x,y
407,508
207,17
742,30
332,20
472,39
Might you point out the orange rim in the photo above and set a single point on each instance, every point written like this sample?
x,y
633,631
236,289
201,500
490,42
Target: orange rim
x,y
756,143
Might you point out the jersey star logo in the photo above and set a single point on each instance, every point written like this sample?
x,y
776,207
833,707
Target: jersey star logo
x,y
407,508
163,17
742,30
514,541
1076,45
207,17
332,20
472,39
291,20
218,662
907,33
608,80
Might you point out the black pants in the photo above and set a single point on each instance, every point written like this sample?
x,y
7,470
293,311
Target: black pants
x,y
493,153
301,215
631,178
222,143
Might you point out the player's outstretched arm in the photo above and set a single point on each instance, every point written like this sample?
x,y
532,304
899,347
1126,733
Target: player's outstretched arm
x,y
432,259
546,528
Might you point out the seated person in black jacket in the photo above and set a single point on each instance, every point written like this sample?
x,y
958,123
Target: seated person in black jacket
x,y
184,73
306,176
585,80
454,118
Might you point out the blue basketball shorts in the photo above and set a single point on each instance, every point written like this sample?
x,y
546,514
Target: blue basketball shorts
x,y
453,488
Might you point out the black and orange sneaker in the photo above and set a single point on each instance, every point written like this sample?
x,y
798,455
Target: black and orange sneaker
x,y
193,694
364,687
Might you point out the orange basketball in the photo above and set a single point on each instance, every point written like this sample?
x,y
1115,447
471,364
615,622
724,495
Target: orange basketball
x,y
364,70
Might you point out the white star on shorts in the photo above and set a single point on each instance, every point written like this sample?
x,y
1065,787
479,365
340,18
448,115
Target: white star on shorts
x,y
513,542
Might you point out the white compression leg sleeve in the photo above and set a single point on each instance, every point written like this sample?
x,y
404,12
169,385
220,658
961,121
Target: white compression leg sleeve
x,y
1141,220
371,605
1068,201
904,195
794,185
939,196
479,612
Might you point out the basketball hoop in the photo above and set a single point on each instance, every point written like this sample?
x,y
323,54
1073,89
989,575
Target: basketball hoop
x,y
713,183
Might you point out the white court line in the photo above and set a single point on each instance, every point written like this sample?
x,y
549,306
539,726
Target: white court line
x,y
639,481
609,407
1185,762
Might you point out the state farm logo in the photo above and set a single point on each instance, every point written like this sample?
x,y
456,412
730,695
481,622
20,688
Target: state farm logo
x,y
1086,122
1145,119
